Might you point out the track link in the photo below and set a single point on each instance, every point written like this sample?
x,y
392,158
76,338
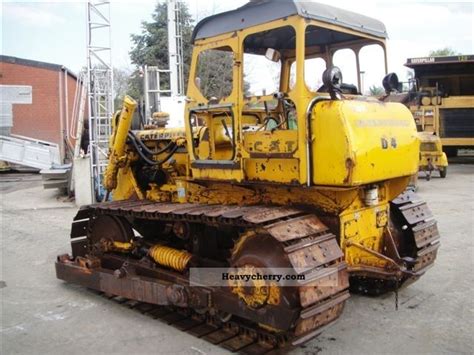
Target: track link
x,y
420,229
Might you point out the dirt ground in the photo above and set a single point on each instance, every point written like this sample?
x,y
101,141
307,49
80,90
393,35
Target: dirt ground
x,y
43,315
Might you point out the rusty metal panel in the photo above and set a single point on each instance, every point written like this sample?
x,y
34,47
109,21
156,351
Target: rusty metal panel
x,y
175,207
220,335
238,212
127,207
140,207
328,284
79,229
188,323
202,329
404,197
315,255
416,213
320,315
296,228
134,288
238,342
261,347
72,273
217,212
426,257
306,242
202,209
189,209
267,214
79,247
153,207
119,205
110,204
162,207
425,233
321,307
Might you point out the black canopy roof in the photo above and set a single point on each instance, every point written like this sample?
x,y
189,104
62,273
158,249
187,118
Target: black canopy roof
x,y
262,11
433,61
433,66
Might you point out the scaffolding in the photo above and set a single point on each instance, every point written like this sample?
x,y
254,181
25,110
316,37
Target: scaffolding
x,y
153,90
175,48
153,75
100,90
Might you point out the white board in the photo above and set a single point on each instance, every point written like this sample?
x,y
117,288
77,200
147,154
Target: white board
x,y
16,94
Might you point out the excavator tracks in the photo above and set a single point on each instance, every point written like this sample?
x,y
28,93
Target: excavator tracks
x,y
305,242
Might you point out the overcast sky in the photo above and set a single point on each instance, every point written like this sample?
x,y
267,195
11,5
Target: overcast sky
x,y
55,31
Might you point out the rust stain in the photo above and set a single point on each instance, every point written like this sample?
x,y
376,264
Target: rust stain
x,y
350,169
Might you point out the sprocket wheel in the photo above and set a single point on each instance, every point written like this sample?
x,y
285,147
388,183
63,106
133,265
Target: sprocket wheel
x,y
107,228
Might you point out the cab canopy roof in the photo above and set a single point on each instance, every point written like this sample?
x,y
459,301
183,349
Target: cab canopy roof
x,y
262,11
415,63
451,65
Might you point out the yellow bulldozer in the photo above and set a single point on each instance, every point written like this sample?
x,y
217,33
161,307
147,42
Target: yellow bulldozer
x,y
302,184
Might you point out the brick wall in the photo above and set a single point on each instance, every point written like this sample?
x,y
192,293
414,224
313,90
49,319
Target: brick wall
x,y
41,119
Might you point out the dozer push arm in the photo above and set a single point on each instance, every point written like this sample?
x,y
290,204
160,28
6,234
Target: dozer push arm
x,y
117,144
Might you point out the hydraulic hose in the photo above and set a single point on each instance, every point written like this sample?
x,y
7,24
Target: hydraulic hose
x,y
149,151
150,161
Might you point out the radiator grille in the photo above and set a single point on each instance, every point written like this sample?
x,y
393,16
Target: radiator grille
x,y
456,123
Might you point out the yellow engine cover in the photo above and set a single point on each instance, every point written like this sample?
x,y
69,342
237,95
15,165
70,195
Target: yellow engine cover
x,y
356,142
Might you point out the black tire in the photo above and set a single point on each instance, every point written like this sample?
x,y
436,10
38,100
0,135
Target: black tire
x,y
443,172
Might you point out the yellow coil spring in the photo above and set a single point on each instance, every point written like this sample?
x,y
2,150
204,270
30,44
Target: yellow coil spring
x,y
169,257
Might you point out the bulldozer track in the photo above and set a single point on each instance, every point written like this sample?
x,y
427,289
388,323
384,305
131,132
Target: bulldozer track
x,y
308,244
421,227
232,336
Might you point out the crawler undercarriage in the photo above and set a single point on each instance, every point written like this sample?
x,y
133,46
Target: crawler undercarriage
x,y
153,268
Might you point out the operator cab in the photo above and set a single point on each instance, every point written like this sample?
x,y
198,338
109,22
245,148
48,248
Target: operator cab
x,y
255,70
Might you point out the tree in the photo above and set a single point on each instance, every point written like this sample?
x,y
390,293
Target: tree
x,y
376,90
121,85
151,46
443,52
214,71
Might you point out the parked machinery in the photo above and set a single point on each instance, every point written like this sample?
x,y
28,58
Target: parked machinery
x,y
444,99
307,181
432,157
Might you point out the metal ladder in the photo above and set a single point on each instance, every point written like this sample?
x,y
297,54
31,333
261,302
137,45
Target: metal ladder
x,y
152,74
100,90
153,90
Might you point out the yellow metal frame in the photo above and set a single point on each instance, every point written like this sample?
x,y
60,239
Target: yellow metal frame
x,y
294,168
340,149
428,118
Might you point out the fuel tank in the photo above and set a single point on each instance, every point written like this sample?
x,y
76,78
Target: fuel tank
x,y
358,142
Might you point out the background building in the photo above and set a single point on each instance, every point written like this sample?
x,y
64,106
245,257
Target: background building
x,y
37,100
